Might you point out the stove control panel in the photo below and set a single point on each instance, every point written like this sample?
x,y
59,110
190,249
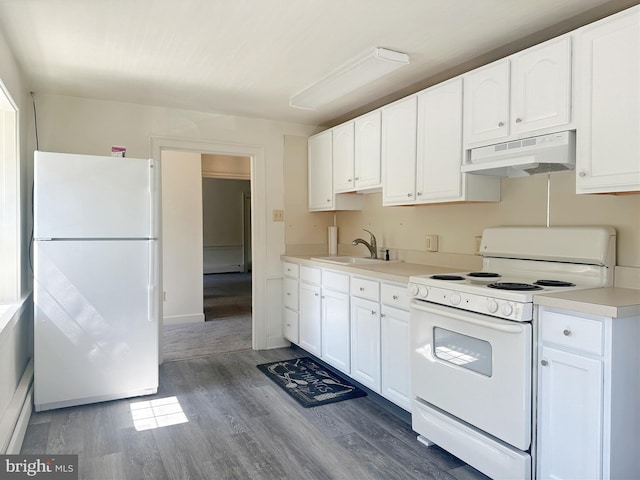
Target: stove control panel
x,y
471,302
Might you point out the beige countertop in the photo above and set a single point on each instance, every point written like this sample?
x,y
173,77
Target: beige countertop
x,y
606,302
391,271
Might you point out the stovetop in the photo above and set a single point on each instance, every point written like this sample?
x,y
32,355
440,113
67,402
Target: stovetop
x,y
507,296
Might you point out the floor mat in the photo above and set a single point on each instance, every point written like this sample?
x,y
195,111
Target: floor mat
x,y
309,383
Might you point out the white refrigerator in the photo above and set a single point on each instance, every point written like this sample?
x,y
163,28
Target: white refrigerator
x,y
96,278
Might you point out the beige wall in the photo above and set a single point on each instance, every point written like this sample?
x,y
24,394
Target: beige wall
x,y
524,202
403,229
306,233
182,237
222,204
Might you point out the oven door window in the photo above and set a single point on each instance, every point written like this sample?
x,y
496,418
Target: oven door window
x,y
462,350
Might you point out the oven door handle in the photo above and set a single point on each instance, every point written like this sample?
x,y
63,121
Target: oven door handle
x,y
511,327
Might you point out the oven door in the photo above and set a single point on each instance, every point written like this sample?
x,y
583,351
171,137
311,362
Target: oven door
x,y
474,367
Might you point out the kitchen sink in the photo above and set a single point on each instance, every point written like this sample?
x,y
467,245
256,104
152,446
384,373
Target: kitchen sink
x,y
345,260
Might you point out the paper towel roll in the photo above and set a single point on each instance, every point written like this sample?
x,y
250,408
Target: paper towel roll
x,y
333,240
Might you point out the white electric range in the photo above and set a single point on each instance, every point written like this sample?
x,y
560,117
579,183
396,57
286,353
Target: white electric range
x,y
473,336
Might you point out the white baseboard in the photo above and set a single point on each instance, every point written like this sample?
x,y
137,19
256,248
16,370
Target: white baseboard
x,y
181,319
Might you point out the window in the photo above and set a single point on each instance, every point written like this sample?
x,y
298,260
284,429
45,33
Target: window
x,y
9,200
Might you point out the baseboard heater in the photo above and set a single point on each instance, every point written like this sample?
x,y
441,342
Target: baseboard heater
x,y
15,420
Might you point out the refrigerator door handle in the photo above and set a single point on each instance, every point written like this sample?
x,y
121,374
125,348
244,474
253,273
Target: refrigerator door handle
x,y
152,281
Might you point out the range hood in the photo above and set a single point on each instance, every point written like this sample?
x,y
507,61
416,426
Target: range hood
x,y
528,156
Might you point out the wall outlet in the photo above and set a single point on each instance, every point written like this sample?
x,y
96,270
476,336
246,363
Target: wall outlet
x,y
478,242
278,215
432,243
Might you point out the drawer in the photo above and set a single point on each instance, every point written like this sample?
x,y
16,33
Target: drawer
x,y
394,295
369,289
290,325
290,293
290,269
335,281
576,333
310,274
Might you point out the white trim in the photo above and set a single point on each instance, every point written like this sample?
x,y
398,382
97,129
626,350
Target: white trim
x,y
258,219
10,194
182,319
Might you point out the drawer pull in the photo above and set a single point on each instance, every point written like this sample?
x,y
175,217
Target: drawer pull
x,y
566,333
395,297
362,289
288,325
373,312
544,363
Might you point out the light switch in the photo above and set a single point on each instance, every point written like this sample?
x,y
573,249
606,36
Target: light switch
x,y
278,215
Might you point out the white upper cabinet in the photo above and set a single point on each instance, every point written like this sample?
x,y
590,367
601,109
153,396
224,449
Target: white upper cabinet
x,y
486,108
608,104
527,92
439,151
321,159
541,87
320,172
367,150
343,157
399,122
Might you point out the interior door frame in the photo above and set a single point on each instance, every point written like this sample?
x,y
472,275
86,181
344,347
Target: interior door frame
x,y
258,219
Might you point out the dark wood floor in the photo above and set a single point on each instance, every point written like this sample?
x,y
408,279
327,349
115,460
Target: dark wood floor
x,y
239,425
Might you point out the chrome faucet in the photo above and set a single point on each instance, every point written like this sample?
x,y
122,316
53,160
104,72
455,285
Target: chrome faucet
x,y
373,247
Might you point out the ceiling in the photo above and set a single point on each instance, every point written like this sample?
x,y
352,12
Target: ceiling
x,y
247,57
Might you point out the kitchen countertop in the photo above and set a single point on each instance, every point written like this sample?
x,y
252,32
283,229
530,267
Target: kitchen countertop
x,y
392,271
606,302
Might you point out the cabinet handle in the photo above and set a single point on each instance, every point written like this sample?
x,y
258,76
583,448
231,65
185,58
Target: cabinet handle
x,y
419,193
288,324
408,194
382,315
362,289
501,124
288,293
323,296
373,312
395,297
349,180
317,294
544,363
328,200
518,120
582,174
357,178
566,333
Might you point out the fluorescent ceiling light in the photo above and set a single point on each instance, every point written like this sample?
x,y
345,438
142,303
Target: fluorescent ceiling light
x,y
349,77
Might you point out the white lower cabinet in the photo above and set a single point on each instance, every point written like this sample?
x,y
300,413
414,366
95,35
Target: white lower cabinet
x,y
290,301
336,344
588,396
310,321
396,365
365,342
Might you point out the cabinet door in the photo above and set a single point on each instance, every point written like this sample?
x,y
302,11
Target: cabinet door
x,y
365,342
310,326
541,86
396,366
343,157
399,152
335,329
569,415
608,105
290,325
439,154
486,104
320,172
367,150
